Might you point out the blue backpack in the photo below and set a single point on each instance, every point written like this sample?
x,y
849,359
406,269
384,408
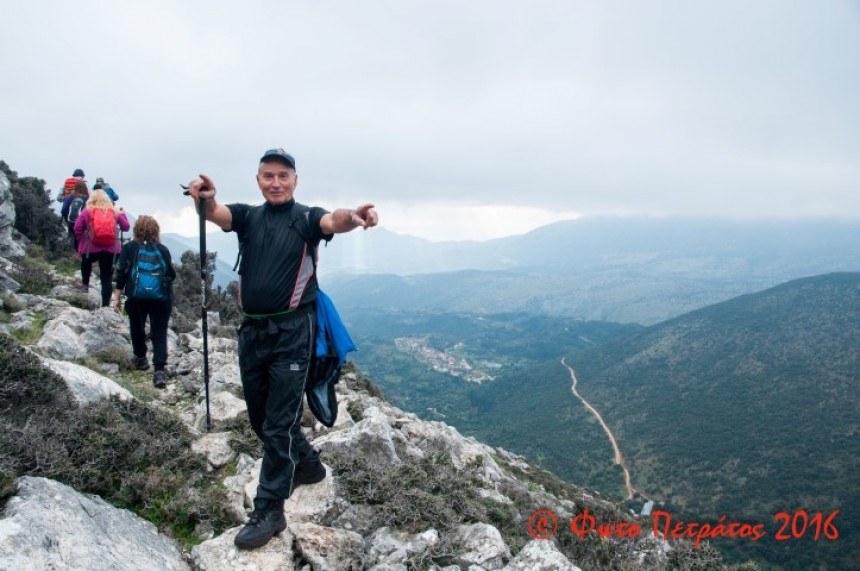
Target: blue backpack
x,y
147,274
331,346
75,208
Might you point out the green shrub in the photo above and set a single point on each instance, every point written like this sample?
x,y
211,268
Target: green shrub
x,y
30,335
120,356
360,382
33,277
186,292
34,217
131,455
66,263
79,299
243,440
414,495
11,304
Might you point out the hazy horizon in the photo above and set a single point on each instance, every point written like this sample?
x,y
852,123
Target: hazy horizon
x,y
458,120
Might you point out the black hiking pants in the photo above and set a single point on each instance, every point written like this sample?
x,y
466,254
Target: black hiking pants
x,y
73,238
105,261
158,313
274,356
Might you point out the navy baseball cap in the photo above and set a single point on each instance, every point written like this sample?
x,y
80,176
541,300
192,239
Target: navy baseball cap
x,y
281,155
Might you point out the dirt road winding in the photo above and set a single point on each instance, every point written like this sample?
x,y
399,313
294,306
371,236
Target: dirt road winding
x,y
619,458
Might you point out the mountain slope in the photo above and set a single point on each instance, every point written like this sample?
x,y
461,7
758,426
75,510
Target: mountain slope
x,y
748,408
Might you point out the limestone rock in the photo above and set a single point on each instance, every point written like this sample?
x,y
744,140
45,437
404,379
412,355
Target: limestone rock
x,y
236,486
76,333
222,406
220,554
481,544
48,525
7,282
327,548
85,384
388,547
373,435
538,555
216,447
312,502
9,247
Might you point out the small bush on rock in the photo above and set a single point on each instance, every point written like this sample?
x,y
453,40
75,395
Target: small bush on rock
x,y
120,356
11,303
413,496
33,278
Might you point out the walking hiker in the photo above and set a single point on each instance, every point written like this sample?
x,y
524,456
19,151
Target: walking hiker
x,y
100,183
278,289
145,274
69,185
95,229
73,204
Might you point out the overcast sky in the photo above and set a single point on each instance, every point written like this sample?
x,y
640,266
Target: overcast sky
x,y
460,119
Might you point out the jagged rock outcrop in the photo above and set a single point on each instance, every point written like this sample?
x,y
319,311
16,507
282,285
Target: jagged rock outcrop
x,y
48,525
7,282
9,248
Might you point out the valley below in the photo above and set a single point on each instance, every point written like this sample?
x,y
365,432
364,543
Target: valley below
x,y
746,409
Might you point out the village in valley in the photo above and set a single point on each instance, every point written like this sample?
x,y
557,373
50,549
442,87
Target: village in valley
x,y
443,362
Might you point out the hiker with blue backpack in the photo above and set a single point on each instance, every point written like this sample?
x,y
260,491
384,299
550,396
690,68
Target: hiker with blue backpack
x,y
100,183
145,274
278,290
95,229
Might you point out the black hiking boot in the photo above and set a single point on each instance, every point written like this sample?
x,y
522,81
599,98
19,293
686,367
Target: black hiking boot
x,y
308,473
159,379
266,522
141,363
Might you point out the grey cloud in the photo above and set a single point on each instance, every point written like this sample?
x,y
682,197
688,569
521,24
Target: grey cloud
x,y
729,108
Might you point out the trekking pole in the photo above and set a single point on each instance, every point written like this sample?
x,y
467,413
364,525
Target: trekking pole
x,y
204,323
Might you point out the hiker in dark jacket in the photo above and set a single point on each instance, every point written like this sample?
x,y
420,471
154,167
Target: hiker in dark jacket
x,y
91,249
278,289
146,232
70,215
68,187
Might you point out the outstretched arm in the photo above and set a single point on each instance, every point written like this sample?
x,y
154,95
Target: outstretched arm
x,y
203,187
344,220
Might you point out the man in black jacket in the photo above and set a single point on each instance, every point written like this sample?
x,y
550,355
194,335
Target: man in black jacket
x,y
278,288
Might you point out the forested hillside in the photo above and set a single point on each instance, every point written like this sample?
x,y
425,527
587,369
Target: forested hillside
x,y
747,408
429,377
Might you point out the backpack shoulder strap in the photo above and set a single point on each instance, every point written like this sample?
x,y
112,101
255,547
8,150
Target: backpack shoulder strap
x,y
253,218
302,212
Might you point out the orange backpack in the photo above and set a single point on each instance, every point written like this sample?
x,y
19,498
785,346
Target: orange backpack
x,y
69,186
104,227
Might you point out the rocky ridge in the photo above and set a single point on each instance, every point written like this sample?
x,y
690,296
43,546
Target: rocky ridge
x,y
337,524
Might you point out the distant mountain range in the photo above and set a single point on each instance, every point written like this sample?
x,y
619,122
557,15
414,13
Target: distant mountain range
x,y
747,408
641,270
623,270
224,273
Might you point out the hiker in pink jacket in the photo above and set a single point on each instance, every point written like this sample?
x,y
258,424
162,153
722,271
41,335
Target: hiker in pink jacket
x,y
98,240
